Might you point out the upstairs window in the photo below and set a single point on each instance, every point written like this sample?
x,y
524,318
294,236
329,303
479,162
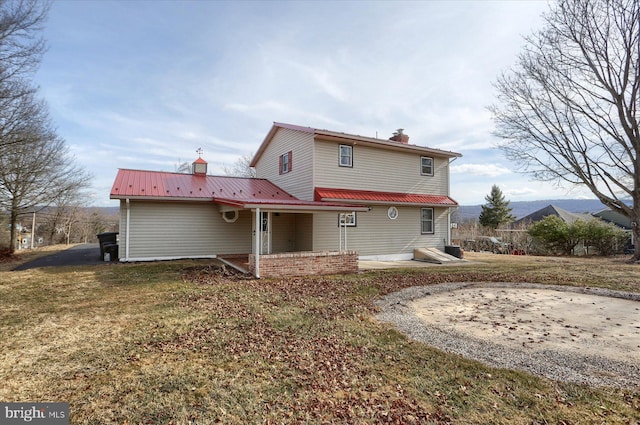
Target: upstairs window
x,y
426,166
346,156
426,220
285,162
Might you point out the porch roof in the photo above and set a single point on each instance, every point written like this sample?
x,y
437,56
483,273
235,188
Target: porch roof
x,y
289,205
373,197
235,192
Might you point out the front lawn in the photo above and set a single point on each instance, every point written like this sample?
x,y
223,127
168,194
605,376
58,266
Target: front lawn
x,y
175,342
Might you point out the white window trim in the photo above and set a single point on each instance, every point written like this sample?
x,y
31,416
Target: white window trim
x,y
285,163
433,222
422,173
350,165
353,222
231,219
392,213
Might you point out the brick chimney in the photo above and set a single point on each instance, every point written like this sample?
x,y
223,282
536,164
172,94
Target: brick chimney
x,y
399,136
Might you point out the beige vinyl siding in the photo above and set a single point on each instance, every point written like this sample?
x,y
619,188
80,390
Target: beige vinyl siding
x,y
291,232
375,234
168,230
304,232
378,170
283,232
299,181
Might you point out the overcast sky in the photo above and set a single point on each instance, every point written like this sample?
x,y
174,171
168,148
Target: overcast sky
x,y
144,84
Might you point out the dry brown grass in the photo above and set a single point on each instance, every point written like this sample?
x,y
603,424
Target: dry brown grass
x,y
166,343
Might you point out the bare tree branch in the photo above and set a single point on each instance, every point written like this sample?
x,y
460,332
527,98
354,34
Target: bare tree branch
x,y
36,168
567,111
241,167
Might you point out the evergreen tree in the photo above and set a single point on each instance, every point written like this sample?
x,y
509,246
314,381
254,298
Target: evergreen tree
x,y
496,211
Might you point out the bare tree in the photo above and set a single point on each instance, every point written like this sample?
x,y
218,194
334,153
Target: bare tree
x,y
241,168
182,167
21,49
36,168
568,110
75,223
21,46
55,215
92,221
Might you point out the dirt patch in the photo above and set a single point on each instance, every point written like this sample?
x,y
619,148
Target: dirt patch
x,y
574,334
539,319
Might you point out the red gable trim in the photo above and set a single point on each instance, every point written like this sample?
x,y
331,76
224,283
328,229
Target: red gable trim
x,y
327,194
348,138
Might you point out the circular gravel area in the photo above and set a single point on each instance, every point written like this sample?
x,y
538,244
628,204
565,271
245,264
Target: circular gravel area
x,y
582,335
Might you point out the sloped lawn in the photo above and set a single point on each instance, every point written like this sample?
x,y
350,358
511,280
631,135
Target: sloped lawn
x,y
180,343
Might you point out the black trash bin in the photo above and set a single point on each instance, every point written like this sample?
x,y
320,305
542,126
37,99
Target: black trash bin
x,y
112,250
106,238
454,250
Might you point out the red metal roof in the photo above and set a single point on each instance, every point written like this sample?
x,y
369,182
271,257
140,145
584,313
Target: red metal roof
x,y
238,192
327,194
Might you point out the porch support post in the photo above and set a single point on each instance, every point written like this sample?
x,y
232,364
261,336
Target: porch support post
x,y
345,232
448,226
339,232
342,227
258,242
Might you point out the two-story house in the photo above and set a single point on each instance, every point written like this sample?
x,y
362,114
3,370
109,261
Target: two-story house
x,y
315,191
405,187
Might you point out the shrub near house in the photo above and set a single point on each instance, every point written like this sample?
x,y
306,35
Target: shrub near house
x,y
555,236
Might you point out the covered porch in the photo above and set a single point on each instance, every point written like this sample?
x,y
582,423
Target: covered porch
x,y
282,238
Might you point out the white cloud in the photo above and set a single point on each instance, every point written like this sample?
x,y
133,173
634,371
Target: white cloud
x,y
519,192
173,77
485,170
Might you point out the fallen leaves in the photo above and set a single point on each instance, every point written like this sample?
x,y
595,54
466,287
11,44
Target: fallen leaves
x,y
277,330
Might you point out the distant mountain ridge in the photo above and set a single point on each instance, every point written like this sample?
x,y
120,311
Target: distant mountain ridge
x,y
524,208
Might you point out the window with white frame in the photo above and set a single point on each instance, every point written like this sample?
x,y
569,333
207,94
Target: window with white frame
x,y
285,162
347,219
426,166
346,156
426,220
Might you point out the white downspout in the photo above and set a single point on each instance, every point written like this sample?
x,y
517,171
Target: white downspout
x,y
126,255
449,194
448,226
258,243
